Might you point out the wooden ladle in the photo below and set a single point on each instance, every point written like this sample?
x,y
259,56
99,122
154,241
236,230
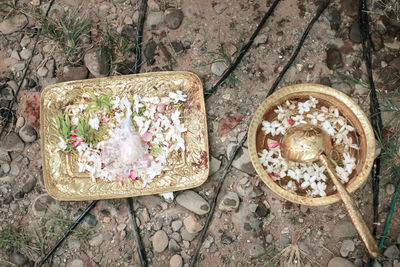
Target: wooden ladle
x,y
311,143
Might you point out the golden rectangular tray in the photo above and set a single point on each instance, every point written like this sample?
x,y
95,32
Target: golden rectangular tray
x,y
190,169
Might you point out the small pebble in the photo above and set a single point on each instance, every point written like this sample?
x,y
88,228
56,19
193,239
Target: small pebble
x,y
176,261
390,189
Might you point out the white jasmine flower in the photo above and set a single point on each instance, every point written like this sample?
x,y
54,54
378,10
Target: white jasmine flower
x,y
178,96
342,173
115,102
303,107
282,113
319,189
62,144
290,104
312,102
327,127
269,127
94,123
290,186
136,103
298,119
316,117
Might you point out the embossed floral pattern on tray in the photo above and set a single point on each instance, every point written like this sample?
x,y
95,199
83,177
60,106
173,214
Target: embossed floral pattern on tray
x,y
185,170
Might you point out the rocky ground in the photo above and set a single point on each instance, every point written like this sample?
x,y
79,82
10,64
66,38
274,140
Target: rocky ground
x,y
251,225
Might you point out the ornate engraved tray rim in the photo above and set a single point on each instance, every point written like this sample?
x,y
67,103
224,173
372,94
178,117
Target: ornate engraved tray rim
x,y
62,186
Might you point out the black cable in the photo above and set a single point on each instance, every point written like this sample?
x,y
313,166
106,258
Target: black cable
x,y
296,52
242,52
66,234
214,201
139,35
375,112
136,233
26,68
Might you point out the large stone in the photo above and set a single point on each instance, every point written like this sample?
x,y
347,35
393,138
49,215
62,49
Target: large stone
x,y
243,161
344,229
173,246
96,240
192,225
4,156
218,68
340,262
347,246
12,143
176,261
160,241
187,236
176,225
229,202
43,203
18,259
334,58
13,24
97,63
71,73
215,164
193,202
29,184
153,19
173,18
27,134
354,33
392,252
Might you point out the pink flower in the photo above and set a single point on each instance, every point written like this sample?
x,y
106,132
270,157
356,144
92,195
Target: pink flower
x,y
105,119
289,120
156,117
132,175
75,130
121,182
161,108
171,121
147,136
73,136
169,145
273,176
75,143
274,144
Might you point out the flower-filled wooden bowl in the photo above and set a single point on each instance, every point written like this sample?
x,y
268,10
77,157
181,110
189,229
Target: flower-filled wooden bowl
x,y
350,131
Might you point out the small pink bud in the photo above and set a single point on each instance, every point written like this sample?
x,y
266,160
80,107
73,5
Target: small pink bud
x,y
105,119
161,108
132,175
289,120
147,136
169,145
73,136
75,143
121,182
171,121
75,130
274,144
156,117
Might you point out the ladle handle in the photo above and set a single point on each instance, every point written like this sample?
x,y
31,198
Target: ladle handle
x,y
352,209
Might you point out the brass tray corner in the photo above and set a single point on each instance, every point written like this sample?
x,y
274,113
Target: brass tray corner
x,y
64,182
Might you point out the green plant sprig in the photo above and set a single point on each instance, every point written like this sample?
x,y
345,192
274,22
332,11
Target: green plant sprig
x,y
99,102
